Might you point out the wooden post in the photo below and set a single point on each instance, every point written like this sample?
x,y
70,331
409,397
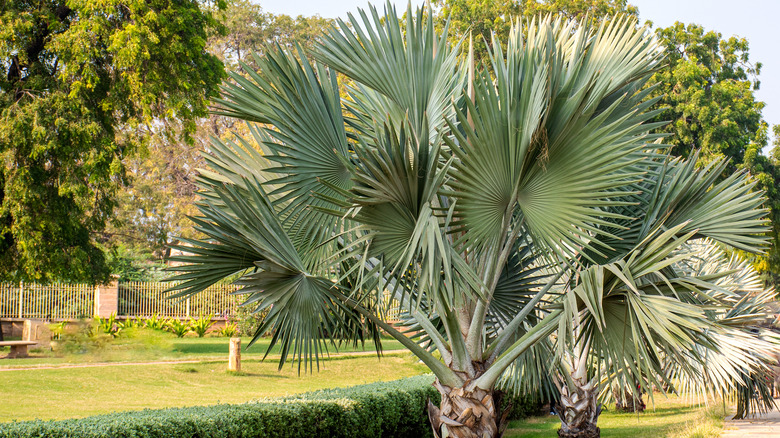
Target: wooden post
x,y
234,360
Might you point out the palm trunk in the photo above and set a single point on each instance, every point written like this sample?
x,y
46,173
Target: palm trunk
x,y
467,412
628,401
579,410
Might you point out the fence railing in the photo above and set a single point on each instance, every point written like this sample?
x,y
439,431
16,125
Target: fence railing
x,y
146,299
73,301
51,301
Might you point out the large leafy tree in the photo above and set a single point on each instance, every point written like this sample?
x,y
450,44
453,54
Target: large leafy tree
x,y
496,204
82,83
707,90
484,18
152,208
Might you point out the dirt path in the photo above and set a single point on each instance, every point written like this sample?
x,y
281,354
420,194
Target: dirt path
x,y
173,362
763,426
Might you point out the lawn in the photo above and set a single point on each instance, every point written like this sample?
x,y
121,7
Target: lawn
x,y
81,391
671,418
78,392
141,345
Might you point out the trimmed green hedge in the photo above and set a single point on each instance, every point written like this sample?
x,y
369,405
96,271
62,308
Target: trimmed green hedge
x,y
386,409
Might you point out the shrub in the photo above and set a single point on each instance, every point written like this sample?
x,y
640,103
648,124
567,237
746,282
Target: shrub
x,y
228,331
385,409
201,325
57,330
178,327
130,323
156,322
81,337
247,321
109,325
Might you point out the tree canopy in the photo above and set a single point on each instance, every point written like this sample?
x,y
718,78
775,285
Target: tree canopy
x,y
83,82
160,192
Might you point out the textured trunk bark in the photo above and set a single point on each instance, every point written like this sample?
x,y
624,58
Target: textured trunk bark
x,y
579,411
467,412
627,401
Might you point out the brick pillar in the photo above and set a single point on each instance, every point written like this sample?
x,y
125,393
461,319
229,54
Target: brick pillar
x,y
107,299
37,331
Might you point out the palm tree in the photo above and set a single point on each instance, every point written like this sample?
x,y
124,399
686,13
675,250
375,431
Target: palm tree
x,y
648,310
392,166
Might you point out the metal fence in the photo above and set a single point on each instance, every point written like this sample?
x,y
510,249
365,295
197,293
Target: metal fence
x,y
147,299
73,301
51,301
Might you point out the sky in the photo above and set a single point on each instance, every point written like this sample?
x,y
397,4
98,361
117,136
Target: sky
x,y
754,20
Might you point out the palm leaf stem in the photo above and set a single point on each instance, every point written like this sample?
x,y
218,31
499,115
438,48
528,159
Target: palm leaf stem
x,y
544,328
474,337
503,338
436,337
445,375
460,354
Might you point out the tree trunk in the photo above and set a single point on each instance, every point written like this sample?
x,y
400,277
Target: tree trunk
x,y
467,412
579,411
627,401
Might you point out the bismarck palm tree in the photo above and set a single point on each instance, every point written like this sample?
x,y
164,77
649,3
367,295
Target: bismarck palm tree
x,y
393,166
658,308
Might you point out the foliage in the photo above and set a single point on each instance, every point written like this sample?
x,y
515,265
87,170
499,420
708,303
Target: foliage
x,y
229,330
247,320
391,409
130,323
82,83
707,92
178,327
488,19
58,329
152,208
249,29
156,322
108,325
81,337
201,325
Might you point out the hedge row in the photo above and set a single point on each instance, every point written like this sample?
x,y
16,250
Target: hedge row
x,y
386,409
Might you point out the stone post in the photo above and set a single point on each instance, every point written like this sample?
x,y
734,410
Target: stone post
x,y
36,331
107,299
234,360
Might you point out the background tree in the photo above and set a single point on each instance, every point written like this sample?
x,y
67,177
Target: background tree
x,y
707,93
483,18
82,82
152,208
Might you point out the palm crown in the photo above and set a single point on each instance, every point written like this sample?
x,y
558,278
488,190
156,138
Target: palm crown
x,y
495,204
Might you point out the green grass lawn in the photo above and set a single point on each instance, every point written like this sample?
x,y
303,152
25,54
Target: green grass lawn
x,y
671,418
78,392
149,345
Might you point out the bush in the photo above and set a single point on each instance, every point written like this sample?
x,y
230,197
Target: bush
x,y
385,409
201,325
178,327
81,337
228,330
246,320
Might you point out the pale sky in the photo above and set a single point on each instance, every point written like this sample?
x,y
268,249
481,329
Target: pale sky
x,y
754,20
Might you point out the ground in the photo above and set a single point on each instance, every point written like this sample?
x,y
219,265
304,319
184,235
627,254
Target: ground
x,y
149,369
